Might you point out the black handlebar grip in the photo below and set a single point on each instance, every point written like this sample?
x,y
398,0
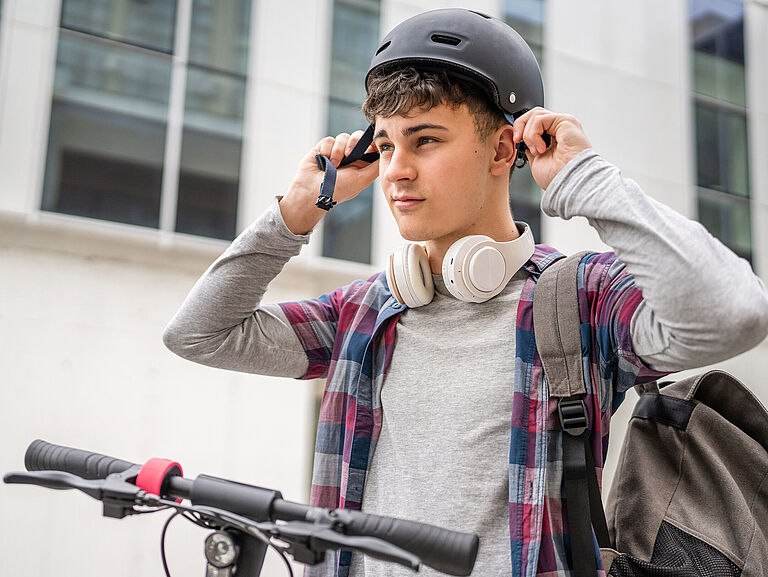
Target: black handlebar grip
x,y
44,456
451,552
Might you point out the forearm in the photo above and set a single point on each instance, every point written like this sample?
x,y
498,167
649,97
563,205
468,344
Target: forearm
x,y
701,302
222,323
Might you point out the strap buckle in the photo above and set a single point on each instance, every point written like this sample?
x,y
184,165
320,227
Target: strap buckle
x,y
325,202
573,416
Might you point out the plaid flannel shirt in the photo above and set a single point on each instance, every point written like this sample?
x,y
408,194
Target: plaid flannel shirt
x,y
349,338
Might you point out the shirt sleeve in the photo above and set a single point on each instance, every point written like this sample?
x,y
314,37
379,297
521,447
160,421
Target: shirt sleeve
x,y
314,323
692,301
222,322
608,300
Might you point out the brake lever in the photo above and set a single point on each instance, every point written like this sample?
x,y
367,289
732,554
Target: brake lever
x,y
115,491
307,540
374,547
58,480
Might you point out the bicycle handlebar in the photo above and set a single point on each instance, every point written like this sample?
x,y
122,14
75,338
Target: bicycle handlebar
x,y
451,552
44,456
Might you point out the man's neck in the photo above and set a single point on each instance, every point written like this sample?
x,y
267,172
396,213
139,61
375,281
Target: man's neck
x,y
501,230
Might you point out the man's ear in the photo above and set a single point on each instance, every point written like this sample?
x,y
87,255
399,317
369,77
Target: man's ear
x,y
504,146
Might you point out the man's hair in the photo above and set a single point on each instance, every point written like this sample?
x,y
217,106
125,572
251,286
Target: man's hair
x,y
393,91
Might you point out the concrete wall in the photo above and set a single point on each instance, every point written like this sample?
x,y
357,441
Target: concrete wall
x,y
83,365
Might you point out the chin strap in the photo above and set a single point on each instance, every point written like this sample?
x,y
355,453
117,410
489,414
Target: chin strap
x,y
521,159
325,198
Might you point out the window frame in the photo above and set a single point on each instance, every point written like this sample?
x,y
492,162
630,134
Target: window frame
x,y
180,65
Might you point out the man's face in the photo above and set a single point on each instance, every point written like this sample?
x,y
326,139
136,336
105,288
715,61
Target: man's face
x,y
434,172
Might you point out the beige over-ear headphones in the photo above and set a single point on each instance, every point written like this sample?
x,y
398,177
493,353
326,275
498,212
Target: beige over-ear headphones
x,y
475,269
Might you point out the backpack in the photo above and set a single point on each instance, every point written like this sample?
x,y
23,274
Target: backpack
x,y
690,496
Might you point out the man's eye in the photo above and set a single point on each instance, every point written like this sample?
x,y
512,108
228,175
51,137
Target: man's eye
x,y
384,147
426,140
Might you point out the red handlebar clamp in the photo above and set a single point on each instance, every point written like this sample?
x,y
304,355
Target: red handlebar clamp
x,y
154,473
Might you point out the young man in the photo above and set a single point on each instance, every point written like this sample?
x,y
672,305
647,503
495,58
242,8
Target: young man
x,y
440,412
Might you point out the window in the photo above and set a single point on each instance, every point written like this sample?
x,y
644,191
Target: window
x,y
527,18
213,118
347,228
721,121
112,153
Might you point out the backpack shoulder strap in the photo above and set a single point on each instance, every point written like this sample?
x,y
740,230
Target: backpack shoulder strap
x,y
557,327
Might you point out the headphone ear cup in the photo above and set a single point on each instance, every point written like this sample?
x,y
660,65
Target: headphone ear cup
x,y
410,277
456,265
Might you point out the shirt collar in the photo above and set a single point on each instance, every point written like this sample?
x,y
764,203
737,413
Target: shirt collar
x,y
542,257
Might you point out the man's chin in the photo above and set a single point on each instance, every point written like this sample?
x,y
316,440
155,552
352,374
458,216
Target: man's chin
x,y
416,235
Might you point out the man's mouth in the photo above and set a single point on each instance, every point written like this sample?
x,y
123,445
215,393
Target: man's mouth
x,y
406,201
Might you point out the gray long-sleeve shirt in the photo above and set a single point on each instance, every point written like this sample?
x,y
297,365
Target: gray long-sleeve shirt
x,y
701,303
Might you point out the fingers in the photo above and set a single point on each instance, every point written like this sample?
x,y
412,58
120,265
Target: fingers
x,y
351,179
354,138
530,126
333,148
324,147
339,147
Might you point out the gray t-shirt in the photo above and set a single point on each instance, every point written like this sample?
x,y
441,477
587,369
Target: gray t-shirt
x,y
446,404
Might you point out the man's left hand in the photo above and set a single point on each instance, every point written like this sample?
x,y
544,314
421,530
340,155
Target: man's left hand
x,y
567,140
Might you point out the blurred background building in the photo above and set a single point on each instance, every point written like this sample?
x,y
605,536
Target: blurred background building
x,y
137,137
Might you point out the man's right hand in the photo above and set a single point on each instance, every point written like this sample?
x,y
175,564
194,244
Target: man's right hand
x,y
298,205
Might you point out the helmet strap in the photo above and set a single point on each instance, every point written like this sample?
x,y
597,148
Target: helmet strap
x,y
325,198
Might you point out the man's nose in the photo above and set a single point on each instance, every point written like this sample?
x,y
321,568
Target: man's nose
x,y
400,167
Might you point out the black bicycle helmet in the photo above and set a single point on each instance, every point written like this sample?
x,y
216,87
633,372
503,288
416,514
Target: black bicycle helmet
x,y
473,45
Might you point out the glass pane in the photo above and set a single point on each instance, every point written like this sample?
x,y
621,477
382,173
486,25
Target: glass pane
x,y
347,228
107,132
210,154
215,101
529,213
219,35
721,149
108,75
525,199
355,39
148,23
347,232
728,219
103,165
527,18
719,78
344,116
717,33
208,184
717,28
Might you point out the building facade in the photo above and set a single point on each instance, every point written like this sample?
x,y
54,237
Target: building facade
x,y
137,138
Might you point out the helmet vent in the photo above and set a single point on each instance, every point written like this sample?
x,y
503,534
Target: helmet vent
x,y
481,14
445,39
383,47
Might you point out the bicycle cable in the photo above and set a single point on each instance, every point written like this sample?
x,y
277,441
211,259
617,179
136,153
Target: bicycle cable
x,y
230,519
162,542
